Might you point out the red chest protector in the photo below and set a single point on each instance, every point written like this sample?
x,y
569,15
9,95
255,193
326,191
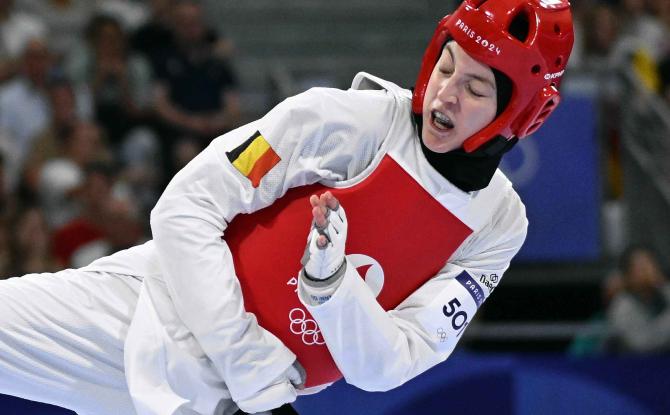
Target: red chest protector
x,y
392,220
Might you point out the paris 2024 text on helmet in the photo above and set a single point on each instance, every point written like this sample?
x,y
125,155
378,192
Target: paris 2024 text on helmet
x,y
527,40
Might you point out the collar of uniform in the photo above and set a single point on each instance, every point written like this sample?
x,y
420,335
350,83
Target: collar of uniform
x,y
469,172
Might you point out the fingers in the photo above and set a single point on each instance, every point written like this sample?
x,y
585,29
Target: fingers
x,y
320,211
321,222
324,201
327,199
320,206
319,217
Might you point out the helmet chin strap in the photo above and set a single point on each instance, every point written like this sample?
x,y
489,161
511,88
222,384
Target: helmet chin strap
x,y
467,171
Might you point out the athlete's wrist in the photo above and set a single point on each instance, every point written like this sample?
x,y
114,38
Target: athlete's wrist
x,y
320,282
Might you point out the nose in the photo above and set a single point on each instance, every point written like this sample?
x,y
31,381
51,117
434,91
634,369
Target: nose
x,y
448,91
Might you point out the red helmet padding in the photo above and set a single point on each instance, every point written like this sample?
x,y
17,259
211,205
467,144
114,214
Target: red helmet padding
x,y
535,66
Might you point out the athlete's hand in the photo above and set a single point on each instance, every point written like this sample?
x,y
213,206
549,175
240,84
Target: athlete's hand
x,y
324,254
281,391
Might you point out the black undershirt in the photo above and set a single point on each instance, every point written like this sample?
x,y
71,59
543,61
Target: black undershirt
x,y
467,171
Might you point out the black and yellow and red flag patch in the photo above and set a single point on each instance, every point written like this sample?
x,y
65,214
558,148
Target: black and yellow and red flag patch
x,y
254,158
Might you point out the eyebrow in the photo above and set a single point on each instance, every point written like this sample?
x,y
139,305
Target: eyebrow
x,y
471,75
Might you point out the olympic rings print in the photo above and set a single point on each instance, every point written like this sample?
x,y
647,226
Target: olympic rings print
x,y
307,328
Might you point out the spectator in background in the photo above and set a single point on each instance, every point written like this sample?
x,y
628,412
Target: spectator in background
x,y
644,27
601,30
600,22
639,316
141,176
61,177
67,108
30,243
661,9
594,339
16,29
120,80
130,13
155,35
106,223
643,40
24,105
65,20
196,95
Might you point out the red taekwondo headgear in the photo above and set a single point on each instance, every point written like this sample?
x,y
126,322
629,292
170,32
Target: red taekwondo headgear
x,y
533,58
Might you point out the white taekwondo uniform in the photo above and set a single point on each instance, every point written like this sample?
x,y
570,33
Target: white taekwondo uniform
x,y
191,347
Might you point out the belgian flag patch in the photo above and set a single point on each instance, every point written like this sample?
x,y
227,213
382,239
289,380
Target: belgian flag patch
x,y
254,158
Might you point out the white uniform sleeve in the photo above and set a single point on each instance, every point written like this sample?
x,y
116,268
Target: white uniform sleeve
x,y
378,350
321,134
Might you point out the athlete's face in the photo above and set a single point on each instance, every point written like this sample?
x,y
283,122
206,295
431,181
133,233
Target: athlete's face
x,y
460,100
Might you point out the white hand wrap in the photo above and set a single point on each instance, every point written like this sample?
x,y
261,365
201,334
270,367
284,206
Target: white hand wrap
x,y
321,263
281,391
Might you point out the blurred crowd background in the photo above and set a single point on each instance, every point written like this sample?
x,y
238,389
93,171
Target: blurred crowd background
x,y
101,102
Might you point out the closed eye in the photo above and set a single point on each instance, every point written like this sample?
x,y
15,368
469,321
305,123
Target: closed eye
x,y
474,92
446,71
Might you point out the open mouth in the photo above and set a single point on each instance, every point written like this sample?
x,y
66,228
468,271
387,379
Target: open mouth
x,y
441,121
